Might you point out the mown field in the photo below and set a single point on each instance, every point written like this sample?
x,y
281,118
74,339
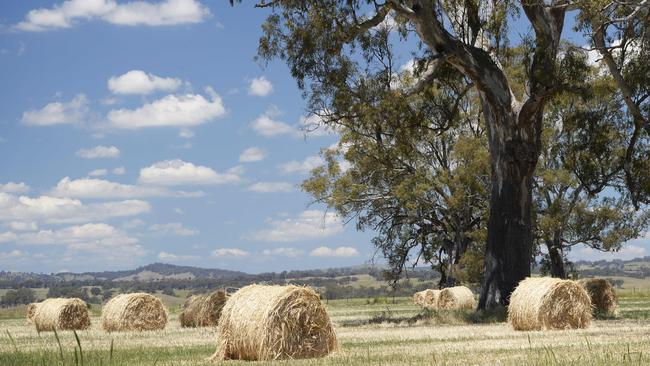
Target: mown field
x,y
369,333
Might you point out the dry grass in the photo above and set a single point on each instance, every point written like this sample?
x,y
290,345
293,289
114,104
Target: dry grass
x,y
203,310
274,322
137,311
541,303
603,297
59,314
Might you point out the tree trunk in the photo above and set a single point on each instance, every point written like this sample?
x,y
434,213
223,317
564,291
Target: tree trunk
x,y
514,150
556,257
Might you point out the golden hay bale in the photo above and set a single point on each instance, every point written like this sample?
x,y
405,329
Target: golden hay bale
x,y
418,298
60,314
137,311
31,309
430,299
202,310
602,294
274,322
549,303
455,298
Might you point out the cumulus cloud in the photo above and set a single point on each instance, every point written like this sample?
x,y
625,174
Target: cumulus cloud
x,y
252,154
174,228
302,167
309,225
13,255
98,173
12,187
334,252
164,256
58,113
7,237
260,87
178,172
173,110
99,152
65,210
133,13
285,252
268,126
229,252
271,187
23,225
141,83
99,188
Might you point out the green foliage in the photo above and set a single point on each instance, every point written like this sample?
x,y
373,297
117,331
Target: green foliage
x,y
16,297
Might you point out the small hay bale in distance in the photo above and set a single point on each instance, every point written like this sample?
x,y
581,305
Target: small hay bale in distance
x,y
202,310
137,311
456,298
549,303
603,297
60,314
274,322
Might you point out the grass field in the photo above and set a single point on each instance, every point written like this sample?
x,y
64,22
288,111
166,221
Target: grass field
x,y
368,333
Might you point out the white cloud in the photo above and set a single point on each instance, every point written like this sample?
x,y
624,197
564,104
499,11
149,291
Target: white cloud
x,y
185,133
13,255
141,83
302,167
7,237
252,154
229,252
99,152
57,113
315,125
99,188
175,228
173,110
119,170
72,12
98,173
270,187
23,225
309,225
267,126
260,87
176,257
286,252
65,210
334,252
177,172
12,187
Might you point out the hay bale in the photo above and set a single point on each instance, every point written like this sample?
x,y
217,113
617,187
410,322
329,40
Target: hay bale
x,y
549,303
430,299
60,314
31,309
274,322
202,310
418,297
456,298
603,297
137,311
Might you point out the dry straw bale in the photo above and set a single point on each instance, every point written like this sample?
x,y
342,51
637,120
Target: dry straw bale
x,y
137,311
549,303
202,310
456,298
602,294
60,314
418,297
31,309
430,299
274,322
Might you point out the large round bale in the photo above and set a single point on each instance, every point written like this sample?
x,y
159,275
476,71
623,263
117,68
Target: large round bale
x,y
418,297
60,314
137,311
456,298
430,299
31,309
274,322
202,310
549,303
603,297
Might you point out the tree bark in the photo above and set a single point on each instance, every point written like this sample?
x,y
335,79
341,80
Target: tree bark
x,y
556,258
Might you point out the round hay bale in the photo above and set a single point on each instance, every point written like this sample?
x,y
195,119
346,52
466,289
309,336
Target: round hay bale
x,y
60,314
603,297
202,310
549,303
430,299
418,297
31,309
137,311
274,322
456,298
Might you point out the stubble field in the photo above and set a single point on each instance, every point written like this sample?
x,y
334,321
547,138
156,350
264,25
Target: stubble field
x,y
369,334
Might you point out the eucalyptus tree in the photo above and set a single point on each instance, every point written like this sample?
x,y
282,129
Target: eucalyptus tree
x,y
334,52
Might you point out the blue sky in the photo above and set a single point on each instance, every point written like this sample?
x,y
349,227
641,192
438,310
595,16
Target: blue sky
x,y
134,132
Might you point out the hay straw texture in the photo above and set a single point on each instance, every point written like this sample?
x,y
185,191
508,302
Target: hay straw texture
x,y
60,314
418,298
456,298
274,322
137,311
202,310
429,299
31,309
549,303
603,297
